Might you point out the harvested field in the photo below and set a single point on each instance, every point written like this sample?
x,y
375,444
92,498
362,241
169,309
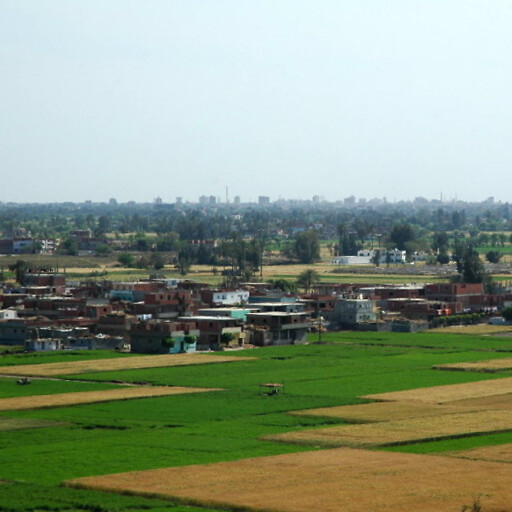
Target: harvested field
x,y
118,363
473,329
496,402
492,366
392,411
402,432
500,453
87,397
450,393
379,411
326,481
23,423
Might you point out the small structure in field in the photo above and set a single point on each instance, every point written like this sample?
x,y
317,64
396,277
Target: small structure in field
x,y
271,388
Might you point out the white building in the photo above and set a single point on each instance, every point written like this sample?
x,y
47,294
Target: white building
x,y
8,314
230,297
367,256
351,260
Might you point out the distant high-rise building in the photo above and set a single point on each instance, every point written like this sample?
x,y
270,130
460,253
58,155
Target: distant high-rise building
x,y
263,200
203,200
158,200
212,200
237,200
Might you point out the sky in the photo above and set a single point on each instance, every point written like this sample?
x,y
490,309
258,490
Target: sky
x,y
285,98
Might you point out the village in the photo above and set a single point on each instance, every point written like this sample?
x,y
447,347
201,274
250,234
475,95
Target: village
x,y
156,316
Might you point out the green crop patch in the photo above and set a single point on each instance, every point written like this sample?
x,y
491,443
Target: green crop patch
x,y
23,497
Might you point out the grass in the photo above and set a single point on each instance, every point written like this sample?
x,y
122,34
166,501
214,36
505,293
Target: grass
x,y
226,425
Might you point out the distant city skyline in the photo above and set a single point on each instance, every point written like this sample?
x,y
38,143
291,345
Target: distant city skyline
x,y
294,99
212,199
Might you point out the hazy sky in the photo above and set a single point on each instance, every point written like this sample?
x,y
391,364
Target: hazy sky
x,y
290,98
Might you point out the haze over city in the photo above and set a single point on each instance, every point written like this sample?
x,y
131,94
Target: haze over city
x,y
135,100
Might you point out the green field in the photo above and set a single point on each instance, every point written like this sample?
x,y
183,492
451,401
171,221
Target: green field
x,y
9,388
179,430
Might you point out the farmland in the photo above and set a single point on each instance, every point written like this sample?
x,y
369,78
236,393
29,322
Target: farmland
x,y
135,362
41,448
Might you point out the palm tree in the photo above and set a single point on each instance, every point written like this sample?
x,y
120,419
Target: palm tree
x,y
307,278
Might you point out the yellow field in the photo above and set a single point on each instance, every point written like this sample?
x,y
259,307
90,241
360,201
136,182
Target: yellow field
x,y
485,403
337,480
500,453
393,411
399,432
473,329
493,365
114,364
88,397
450,393
378,411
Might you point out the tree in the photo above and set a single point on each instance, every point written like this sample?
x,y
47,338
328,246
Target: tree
x,y
20,269
143,262
493,256
469,265
347,241
483,239
506,313
401,234
306,246
140,242
284,285
307,278
126,259
375,259
157,261
103,249
69,246
168,242
104,223
440,242
183,263
443,258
